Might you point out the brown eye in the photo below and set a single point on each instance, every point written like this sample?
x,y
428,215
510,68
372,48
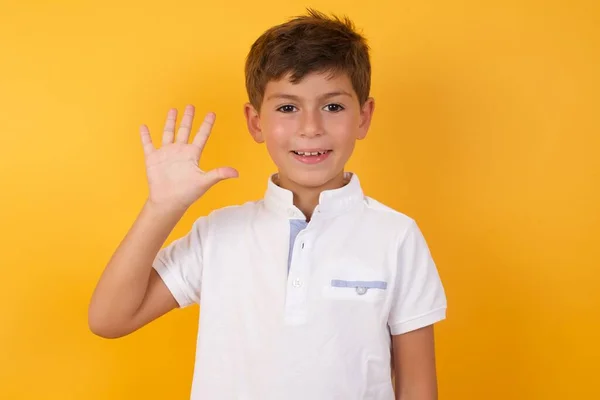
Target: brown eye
x,y
286,109
334,107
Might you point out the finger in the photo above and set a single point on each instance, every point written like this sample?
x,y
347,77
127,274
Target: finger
x,y
183,133
169,130
204,131
218,174
146,140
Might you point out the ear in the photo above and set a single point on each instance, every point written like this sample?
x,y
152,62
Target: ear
x,y
366,114
253,122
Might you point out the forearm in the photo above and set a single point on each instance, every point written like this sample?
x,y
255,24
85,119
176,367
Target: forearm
x,y
414,365
123,284
423,392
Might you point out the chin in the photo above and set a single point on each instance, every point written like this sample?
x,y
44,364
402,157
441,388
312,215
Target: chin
x,y
312,179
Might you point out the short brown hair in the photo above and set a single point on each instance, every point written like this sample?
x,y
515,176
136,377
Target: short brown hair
x,y
307,44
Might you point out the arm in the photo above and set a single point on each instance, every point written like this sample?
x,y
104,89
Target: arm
x,y
419,303
130,292
414,365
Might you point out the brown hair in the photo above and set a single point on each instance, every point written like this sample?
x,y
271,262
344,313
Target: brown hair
x,y
307,44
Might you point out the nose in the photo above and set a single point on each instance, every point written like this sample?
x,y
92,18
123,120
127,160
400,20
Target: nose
x,y
311,124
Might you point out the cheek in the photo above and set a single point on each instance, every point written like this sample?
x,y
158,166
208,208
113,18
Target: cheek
x,y
277,133
276,142
343,134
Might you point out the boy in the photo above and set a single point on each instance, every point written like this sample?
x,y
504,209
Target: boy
x,y
311,293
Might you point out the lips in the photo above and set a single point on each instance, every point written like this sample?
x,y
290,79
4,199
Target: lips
x,y
310,152
311,156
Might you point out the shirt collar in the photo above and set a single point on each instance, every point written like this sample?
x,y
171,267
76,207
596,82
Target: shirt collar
x,y
331,202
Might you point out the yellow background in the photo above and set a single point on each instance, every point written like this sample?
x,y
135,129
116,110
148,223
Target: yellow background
x,y
486,132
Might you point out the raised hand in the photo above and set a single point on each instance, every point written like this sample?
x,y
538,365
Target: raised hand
x,y
174,177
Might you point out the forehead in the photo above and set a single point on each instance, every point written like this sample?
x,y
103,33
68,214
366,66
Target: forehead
x,y
312,85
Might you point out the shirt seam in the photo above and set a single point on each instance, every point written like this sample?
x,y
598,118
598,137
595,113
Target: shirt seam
x,y
173,283
433,311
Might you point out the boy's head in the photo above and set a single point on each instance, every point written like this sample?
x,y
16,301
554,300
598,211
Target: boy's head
x,y
308,83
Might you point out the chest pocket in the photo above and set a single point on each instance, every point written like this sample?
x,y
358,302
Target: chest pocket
x,y
355,282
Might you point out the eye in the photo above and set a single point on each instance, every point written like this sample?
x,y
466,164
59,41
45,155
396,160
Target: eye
x,y
288,108
335,108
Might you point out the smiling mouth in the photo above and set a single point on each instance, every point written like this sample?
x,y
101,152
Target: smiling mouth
x,y
311,156
311,153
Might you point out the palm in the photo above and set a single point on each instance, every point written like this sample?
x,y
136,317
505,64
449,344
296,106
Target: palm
x,y
174,177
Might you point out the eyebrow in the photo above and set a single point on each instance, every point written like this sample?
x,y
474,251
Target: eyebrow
x,y
296,98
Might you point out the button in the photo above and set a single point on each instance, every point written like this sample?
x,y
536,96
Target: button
x,y
297,283
361,290
291,212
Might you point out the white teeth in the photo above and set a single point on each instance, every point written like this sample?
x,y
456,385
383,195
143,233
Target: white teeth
x,y
306,153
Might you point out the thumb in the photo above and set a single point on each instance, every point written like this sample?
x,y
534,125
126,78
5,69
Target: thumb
x,y
218,174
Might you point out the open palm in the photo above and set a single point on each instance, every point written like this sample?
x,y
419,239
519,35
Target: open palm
x,y
174,176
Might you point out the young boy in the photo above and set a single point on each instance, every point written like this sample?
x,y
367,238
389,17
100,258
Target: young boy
x,y
315,291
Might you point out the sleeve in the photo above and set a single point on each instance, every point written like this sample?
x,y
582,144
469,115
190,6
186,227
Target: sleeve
x,y
419,298
180,264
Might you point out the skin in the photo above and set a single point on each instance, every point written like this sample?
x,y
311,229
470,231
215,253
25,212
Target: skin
x,y
414,359
130,293
310,115
320,112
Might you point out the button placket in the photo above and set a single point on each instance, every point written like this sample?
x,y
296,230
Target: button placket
x,y
297,282
298,258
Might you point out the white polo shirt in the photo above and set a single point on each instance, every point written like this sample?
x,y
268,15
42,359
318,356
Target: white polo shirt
x,y
358,271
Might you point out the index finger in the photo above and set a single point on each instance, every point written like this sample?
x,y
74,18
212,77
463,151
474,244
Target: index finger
x,y
204,130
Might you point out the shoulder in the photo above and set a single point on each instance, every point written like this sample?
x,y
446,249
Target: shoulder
x,y
232,217
388,220
386,215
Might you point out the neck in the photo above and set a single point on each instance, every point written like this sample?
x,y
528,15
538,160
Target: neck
x,y
307,198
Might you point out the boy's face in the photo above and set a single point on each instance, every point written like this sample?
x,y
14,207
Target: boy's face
x,y
310,128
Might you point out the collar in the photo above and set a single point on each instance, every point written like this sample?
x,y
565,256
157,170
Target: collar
x,y
331,202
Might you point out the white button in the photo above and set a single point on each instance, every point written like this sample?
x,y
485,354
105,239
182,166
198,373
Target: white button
x,y
361,290
297,283
291,212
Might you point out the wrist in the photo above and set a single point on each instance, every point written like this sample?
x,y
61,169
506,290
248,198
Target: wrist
x,y
164,209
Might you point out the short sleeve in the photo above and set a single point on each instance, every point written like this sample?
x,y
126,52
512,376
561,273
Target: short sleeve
x,y
180,264
419,299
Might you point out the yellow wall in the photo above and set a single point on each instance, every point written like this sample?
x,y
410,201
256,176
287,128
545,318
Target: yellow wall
x,y
486,131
